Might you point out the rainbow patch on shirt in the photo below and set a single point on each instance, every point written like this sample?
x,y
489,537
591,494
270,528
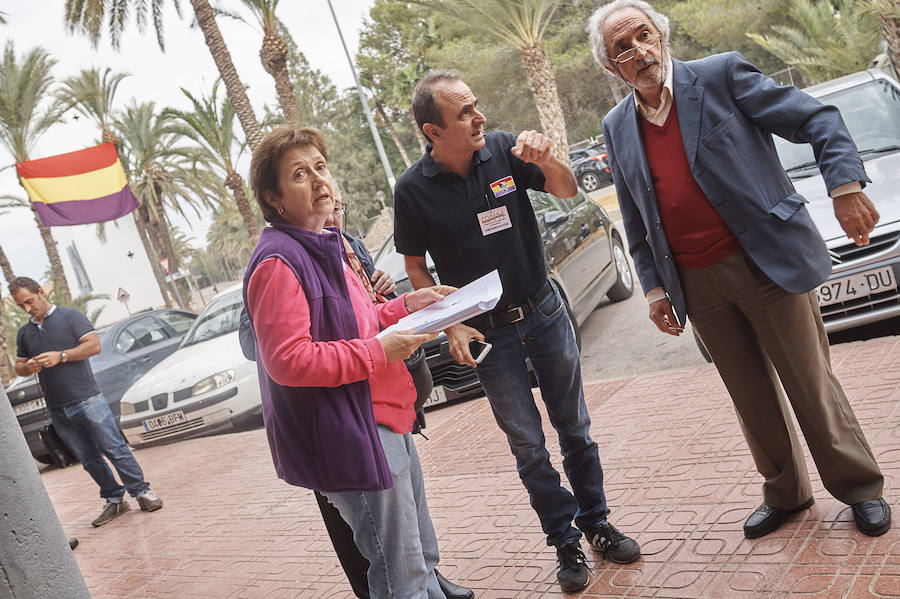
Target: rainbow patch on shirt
x,y
503,186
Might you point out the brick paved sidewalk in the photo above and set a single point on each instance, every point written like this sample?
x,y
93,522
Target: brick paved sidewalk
x,y
678,477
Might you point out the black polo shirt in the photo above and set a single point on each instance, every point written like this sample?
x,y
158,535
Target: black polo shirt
x,y
437,211
62,328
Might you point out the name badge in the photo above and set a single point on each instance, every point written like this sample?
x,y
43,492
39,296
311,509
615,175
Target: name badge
x,y
494,220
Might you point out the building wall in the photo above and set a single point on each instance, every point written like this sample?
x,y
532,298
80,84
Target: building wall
x,y
105,267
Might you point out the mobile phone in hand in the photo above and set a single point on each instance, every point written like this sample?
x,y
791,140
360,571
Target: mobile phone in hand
x,y
479,349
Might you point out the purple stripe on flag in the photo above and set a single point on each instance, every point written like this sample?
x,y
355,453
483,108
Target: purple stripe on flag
x,y
82,212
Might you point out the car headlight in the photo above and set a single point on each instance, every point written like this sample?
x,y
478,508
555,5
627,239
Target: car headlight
x,y
215,381
126,408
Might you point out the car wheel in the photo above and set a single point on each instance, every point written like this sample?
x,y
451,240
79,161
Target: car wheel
x,y
623,288
701,347
590,181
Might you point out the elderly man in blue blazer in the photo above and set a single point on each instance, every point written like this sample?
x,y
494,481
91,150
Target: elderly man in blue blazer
x,y
719,235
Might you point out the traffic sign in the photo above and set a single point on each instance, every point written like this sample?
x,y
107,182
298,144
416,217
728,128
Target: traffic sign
x,y
165,264
123,295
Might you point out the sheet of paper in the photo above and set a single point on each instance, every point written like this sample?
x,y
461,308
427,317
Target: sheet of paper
x,y
478,297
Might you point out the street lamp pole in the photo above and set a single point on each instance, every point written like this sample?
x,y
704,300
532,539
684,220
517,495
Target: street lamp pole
x,y
362,97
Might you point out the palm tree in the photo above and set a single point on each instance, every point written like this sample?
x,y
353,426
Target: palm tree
x,y
211,126
273,55
92,94
24,88
828,41
87,16
889,13
5,371
521,23
163,175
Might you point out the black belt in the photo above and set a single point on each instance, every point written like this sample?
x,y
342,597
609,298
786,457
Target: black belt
x,y
492,320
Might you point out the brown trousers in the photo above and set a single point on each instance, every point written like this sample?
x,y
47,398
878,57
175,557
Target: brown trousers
x,y
757,333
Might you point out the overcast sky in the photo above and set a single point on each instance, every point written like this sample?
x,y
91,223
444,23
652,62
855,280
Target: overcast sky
x,y
158,76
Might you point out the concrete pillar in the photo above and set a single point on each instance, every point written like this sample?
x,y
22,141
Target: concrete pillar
x,y
35,559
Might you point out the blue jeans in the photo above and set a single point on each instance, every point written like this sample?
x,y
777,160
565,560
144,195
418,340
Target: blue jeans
x,y
89,429
546,338
392,528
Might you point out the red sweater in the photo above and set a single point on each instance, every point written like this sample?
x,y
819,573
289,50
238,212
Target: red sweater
x,y
696,233
281,319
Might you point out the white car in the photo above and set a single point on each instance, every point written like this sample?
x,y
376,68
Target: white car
x,y
206,386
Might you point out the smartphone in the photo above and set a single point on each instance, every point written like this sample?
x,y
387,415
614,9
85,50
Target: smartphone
x,y
479,349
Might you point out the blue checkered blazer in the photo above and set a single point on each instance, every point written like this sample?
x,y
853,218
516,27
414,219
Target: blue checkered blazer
x,y
728,112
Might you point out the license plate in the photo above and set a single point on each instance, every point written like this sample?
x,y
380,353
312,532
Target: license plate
x,y
151,424
438,396
29,406
856,286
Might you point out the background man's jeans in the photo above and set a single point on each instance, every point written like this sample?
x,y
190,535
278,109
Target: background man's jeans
x,y
545,336
90,431
392,528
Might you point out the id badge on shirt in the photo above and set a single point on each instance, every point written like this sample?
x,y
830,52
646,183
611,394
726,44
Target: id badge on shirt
x,y
494,220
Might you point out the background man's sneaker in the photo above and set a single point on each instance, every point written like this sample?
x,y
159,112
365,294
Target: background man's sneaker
x,y
573,572
111,510
616,547
149,501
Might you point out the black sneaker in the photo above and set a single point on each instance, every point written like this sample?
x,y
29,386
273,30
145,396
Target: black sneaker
x,y
605,538
573,572
111,510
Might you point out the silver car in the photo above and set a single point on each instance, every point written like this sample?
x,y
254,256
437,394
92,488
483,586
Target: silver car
x,y
863,283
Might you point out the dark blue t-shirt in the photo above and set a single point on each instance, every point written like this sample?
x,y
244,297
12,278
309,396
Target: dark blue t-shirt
x,y
437,211
69,382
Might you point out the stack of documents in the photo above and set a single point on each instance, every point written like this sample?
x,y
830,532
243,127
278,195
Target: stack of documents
x,y
478,297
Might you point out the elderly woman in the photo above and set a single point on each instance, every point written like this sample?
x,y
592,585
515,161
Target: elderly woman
x,y
337,400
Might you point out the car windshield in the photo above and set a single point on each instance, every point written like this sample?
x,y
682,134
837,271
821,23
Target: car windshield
x,y
220,317
871,112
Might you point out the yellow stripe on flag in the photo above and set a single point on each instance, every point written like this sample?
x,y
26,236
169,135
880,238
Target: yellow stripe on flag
x,y
86,186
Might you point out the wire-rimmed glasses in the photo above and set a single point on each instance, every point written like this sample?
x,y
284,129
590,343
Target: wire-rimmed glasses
x,y
645,44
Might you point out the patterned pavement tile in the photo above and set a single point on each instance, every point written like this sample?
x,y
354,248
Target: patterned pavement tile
x,y
679,479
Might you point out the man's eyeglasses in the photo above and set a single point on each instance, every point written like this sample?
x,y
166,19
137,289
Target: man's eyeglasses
x,y
340,208
645,44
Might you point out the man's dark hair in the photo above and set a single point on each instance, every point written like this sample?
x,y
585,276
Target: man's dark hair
x,y
24,283
424,105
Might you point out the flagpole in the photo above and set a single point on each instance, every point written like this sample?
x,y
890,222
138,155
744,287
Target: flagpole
x,y
362,97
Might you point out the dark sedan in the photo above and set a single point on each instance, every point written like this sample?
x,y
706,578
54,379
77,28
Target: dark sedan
x,y
130,348
590,167
585,260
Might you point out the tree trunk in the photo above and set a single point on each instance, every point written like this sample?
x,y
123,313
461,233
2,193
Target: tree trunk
x,y
56,267
546,98
7,270
142,221
236,93
390,127
419,135
6,370
890,29
235,183
273,55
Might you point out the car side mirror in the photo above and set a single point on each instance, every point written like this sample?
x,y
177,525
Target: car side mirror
x,y
555,218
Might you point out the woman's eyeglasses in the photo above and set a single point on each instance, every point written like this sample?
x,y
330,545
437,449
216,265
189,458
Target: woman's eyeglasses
x,y
340,208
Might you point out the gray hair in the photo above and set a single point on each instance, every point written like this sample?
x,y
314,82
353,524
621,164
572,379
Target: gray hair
x,y
424,105
598,19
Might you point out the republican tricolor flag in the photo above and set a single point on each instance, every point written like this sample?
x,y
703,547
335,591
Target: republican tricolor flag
x,y
87,186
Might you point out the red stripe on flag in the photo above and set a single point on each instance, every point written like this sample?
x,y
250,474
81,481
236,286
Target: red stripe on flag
x,y
71,163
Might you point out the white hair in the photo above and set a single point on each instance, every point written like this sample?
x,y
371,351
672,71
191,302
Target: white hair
x,y
599,17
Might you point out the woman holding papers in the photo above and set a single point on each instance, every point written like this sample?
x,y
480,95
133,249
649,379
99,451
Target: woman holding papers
x,y
337,401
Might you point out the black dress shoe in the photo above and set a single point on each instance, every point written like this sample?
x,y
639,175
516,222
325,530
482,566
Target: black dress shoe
x,y
766,519
453,591
872,517
73,543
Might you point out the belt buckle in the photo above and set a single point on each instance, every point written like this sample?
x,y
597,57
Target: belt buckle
x,y
520,316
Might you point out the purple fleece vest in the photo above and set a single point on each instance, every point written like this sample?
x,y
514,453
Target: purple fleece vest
x,y
322,438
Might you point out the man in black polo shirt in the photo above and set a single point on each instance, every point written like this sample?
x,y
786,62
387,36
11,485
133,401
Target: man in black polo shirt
x,y
56,344
465,203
